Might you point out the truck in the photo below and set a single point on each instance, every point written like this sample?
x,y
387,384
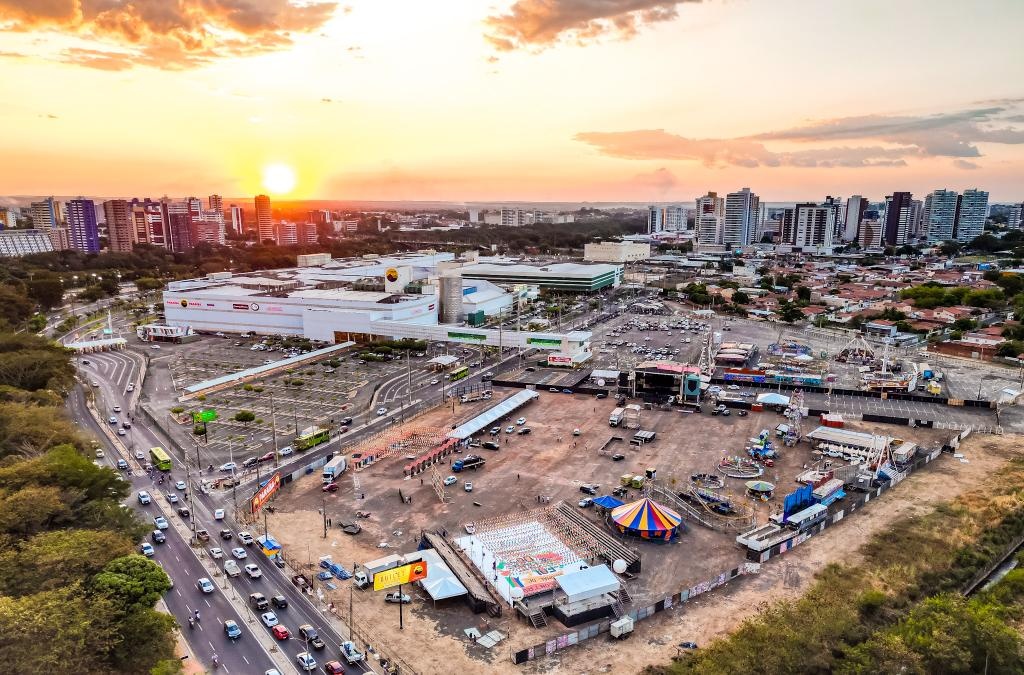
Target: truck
x,y
334,468
468,462
615,419
475,396
351,653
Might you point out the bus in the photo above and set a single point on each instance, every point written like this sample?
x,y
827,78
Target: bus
x,y
310,437
458,373
161,459
808,518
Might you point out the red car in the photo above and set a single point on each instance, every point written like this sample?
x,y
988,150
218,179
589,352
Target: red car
x,y
330,487
280,632
333,668
269,457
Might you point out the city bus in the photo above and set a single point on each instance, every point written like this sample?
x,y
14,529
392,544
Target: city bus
x,y
161,459
458,373
310,437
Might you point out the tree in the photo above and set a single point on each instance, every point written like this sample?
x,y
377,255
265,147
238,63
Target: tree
x,y
47,291
131,582
15,308
803,293
147,284
740,298
789,312
54,560
245,416
965,324
949,247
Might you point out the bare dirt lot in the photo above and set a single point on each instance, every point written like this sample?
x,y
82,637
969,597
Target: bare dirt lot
x,y
551,462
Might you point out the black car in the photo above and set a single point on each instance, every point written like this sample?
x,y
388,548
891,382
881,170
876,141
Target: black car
x,y
346,421
491,445
252,461
588,489
618,457
184,512
309,634
226,534
524,431
602,395
741,413
280,601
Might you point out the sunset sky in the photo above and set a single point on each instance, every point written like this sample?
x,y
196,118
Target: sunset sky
x,y
560,100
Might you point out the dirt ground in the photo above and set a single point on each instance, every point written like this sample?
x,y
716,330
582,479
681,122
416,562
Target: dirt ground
x,y
546,462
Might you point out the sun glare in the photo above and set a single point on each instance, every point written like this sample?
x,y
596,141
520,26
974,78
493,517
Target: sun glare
x,y
279,178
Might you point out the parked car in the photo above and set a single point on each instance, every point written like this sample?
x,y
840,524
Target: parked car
x,y
584,503
398,598
521,421
330,487
524,430
468,487
589,489
451,480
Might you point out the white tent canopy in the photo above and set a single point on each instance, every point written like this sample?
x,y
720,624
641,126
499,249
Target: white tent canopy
x,y
441,583
589,583
773,399
492,415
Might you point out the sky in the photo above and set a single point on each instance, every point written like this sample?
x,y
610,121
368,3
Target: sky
x,y
508,100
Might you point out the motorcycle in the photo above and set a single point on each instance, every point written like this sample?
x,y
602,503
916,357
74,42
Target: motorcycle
x,y
191,622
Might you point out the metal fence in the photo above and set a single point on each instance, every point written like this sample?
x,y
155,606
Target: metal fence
x,y
593,630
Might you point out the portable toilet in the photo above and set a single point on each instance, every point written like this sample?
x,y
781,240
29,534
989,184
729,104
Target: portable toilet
x,y
626,480
621,628
638,482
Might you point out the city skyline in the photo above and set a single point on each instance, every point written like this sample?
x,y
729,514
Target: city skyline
x,y
524,101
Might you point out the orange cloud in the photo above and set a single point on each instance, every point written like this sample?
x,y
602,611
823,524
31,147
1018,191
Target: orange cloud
x,y
543,23
169,34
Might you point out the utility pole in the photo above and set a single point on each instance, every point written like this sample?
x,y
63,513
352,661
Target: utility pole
x,y
273,428
234,478
323,501
408,375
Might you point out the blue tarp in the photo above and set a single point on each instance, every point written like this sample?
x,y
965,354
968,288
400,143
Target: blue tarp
x,y
608,502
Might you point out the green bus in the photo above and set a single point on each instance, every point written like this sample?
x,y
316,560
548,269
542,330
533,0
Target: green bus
x,y
161,459
311,437
458,373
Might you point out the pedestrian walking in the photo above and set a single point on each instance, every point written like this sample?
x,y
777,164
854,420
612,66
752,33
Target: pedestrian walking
x,y
517,476
421,481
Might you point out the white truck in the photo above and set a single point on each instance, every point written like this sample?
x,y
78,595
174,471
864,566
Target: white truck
x,y
334,468
350,653
615,419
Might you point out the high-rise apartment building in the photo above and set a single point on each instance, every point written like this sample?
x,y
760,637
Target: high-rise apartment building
x,y
216,203
675,218
855,208
48,216
972,214
709,229
83,232
811,225
896,219
181,230
869,235
940,215
307,233
287,233
655,219
120,235
8,217
1016,216
237,218
264,219
710,205
741,213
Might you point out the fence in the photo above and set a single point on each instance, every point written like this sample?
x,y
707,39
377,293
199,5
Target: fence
x,y
595,629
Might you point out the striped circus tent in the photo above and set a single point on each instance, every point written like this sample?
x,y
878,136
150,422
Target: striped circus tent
x,y
648,519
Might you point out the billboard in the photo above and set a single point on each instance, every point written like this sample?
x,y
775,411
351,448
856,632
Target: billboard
x,y
265,492
406,574
544,342
472,337
208,415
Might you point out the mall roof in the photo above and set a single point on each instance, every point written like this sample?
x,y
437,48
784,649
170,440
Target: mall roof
x,y
552,270
493,414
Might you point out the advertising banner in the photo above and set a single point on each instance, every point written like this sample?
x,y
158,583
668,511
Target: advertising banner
x,y
400,575
264,494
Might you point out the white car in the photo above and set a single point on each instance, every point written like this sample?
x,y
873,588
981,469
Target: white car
x,y
205,585
239,553
100,453
172,498
117,408
245,538
435,381
521,421
231,568
306,661
510,429
253,571
161,522
285,451
468,487
269,619
229,466
382,411
451,480
147,550
139,454
144,497
154,347
218,514
733,387
180,485
216,553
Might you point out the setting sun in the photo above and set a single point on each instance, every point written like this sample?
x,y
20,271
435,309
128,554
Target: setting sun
x,y
279,178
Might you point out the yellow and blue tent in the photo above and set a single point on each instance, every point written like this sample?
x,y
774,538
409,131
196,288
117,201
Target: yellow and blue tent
x,y
648,519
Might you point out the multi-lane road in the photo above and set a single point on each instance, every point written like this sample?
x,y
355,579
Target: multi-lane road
x,y
254,652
